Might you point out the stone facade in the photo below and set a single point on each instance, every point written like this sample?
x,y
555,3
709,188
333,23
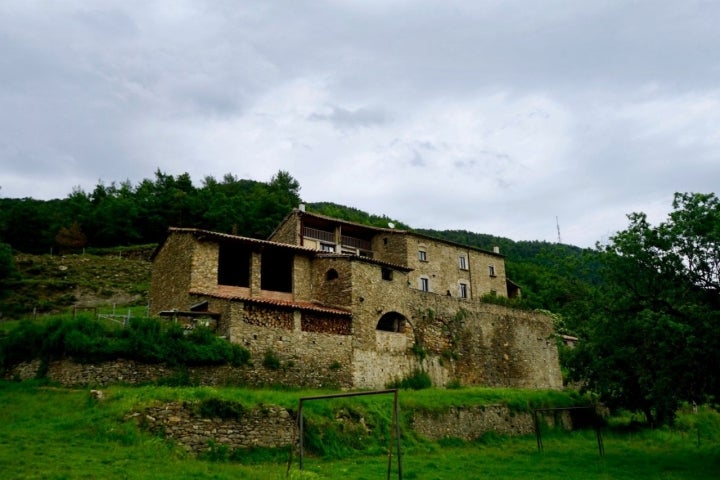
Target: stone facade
x,y
356,307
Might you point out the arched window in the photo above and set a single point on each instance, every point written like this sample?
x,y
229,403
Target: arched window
x,y
391,322
331,274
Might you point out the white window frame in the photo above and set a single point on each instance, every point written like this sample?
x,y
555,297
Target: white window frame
x,y
462,261
424,284
463,290
422,255
491,270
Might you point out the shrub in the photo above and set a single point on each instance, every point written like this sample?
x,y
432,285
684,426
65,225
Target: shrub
x,y
218,408
86,340
271,361
417,380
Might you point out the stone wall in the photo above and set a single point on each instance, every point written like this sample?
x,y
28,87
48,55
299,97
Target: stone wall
x,y
287,372
171,273
471,423
333,290
270,427
486,344
452,339
288,231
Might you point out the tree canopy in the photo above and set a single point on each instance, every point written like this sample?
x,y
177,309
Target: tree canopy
x,y
126,214
650,339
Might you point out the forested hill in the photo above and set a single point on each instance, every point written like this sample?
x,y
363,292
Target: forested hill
x,y
123,214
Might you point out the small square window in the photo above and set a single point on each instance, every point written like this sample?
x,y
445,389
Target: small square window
x,y
463,290
424,284
422,255
327,247
463,262
387,274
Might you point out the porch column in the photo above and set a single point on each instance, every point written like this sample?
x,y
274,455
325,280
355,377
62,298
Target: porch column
x,y
255,278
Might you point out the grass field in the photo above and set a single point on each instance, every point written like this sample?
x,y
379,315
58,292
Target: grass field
x,y
58,433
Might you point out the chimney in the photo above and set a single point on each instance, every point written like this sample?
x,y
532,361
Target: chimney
x,y
496,249
301,207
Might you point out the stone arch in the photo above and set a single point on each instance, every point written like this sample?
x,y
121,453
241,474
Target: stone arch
x,y
392,322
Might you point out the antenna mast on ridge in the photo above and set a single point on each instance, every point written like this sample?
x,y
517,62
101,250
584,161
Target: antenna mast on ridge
x,y
557,223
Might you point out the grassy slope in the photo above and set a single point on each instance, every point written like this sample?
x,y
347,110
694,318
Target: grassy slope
x,y
54,283
56,433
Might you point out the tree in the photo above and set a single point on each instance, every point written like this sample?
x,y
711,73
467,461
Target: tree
x,y
71,238
7,264
650,342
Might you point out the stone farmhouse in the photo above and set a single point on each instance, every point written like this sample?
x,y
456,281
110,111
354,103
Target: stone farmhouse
x,y
326,302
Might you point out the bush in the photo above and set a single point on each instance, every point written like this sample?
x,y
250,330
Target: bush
x,y
218,408
148,340
417,380
271,361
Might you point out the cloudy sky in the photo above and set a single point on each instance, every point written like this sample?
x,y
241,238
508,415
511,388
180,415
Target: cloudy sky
x,y
495,116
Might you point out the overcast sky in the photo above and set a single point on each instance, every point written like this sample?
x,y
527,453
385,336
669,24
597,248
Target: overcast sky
x,y
495,116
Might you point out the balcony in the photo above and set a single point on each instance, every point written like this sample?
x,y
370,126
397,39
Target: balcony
x,y
357,246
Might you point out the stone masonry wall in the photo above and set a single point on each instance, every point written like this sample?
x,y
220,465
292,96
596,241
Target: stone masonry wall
x,y
270,427
454,339
69,373
471,423
489,344
335,291
171,273
288,231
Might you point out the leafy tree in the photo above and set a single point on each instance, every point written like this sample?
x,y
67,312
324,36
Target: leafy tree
x,y
71,237
7,264
650,339
355,215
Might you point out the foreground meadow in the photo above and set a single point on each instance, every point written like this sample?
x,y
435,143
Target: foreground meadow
x,y
57,433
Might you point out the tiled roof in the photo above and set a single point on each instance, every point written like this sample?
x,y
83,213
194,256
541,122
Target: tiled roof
x,y
233,294
226,236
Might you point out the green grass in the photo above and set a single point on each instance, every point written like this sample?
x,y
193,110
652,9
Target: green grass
x,y
56,433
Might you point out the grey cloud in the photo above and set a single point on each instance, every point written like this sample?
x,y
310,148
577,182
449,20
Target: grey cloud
x,y
343,118
114,90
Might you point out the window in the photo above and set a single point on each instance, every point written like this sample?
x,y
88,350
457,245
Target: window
x,y
463,262
387,273
331,274
424,284
463,290
422,255
491,270
327,247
